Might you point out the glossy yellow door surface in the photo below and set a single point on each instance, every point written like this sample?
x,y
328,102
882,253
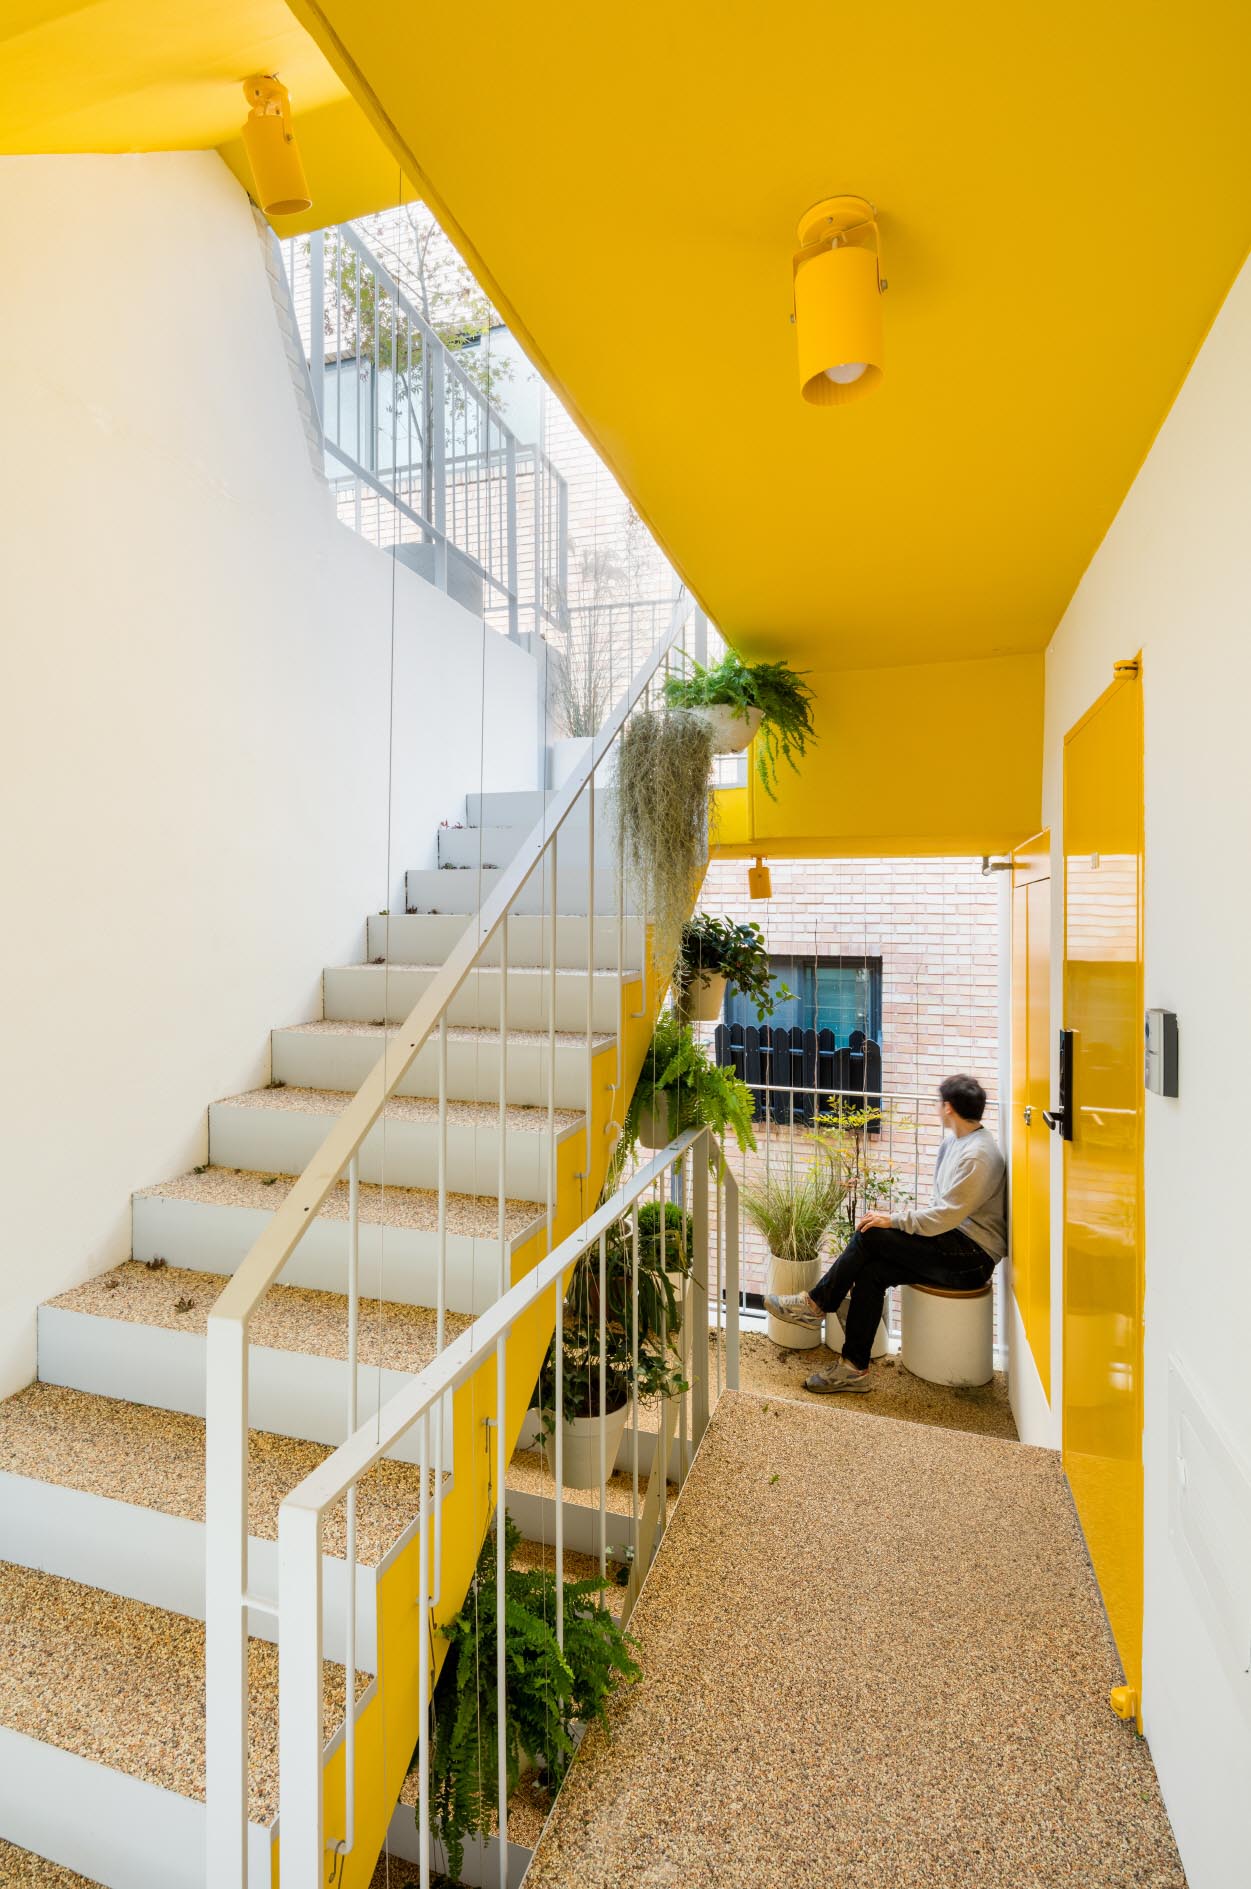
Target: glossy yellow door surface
x,y
1031,1093
1103,1219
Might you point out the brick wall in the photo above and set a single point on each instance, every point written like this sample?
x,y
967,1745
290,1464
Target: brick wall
x,y
934,925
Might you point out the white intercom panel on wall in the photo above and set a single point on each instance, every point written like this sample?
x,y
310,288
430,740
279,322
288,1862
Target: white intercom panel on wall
x,y
1161,1069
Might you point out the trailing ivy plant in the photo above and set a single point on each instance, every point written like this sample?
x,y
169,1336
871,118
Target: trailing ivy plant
x,y
686,1088
663,767
547,1692
778,691
719,947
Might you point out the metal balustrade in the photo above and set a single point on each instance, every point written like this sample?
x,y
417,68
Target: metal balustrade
x,y
416,455
228,1599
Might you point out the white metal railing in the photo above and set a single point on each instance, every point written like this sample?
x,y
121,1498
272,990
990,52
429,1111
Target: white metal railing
x,y
896,1158
416,454
302,1514
338,1159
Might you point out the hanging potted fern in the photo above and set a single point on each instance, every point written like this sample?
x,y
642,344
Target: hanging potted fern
x,y
550,1691
745,700
681,1087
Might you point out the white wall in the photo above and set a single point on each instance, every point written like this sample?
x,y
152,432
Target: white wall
x,y
1174,578
195,701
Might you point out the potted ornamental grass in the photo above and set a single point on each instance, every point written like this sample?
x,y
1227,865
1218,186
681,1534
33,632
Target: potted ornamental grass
x,y
796,1209
743,701
681,1087
719,954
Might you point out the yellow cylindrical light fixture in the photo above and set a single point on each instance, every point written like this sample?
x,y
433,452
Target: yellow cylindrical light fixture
x,y
269,140
838,308
759,881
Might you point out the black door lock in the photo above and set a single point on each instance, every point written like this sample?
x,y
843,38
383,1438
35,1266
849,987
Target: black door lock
x,y
1061,1117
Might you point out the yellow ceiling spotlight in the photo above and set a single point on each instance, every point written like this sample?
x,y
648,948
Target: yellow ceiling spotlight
x,y
838,312
271,147
759,881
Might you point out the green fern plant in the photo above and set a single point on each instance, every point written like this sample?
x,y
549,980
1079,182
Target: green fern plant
x,y
546,1692
778,691
687,1089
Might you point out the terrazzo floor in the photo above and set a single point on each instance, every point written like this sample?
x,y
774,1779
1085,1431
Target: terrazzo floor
x,y
123,1684
288,1318
873,1652
155,1459
416,1207
19,1869
779,1370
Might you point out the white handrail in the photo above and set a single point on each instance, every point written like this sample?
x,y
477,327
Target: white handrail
x,y
226,1391
301,1513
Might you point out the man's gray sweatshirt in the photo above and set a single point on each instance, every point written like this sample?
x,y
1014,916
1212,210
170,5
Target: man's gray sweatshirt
x,y
970,1192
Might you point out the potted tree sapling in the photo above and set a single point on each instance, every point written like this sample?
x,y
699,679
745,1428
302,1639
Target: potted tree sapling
x,y
743,700
718,954
795,1209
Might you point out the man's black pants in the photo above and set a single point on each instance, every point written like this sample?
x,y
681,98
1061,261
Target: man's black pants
x,y
882,1257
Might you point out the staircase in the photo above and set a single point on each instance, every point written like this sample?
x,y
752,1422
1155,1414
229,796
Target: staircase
x,y
102,1460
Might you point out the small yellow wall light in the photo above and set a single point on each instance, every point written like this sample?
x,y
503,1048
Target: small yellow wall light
x,y
273,153
838,310
759,881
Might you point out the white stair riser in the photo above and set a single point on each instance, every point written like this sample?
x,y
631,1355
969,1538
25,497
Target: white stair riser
x,y
158,1559
535,1516
313,1059
430,890
522,808
428,937
479,845
369,993
284,1141
289,1392
115,1829
398,1263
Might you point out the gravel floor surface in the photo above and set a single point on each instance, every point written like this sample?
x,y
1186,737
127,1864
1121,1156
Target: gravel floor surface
x,y
873,1653
19,1869
519,1117
155,1459
123,1685
416,1207
288,1318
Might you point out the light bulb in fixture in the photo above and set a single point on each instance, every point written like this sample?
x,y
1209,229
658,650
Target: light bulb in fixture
x,y
846,372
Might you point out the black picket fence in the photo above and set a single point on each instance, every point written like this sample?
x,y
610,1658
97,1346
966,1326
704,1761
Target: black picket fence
x,y
793,1073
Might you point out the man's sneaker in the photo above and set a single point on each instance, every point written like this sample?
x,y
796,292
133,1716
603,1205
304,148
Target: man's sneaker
x,y
793,1308
839,1376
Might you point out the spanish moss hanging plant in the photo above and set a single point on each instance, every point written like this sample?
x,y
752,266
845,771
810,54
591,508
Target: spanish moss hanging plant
x,y
663,770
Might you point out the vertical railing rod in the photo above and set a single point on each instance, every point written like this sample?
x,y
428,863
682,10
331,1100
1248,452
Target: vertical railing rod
x,y
634,1379
349,1658
501,1575
590,975
317,323
603,1410
502,1228
558,1418
510,497
226,1620
423,1660
732,1281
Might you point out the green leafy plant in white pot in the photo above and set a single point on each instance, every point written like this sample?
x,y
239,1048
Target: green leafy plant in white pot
x,y
743,701
719,954
681,1087
796,1209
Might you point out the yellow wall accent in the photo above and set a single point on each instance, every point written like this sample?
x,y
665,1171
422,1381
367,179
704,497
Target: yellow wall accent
x,y
166,75
1030,1188
1046,297
940,758
387,1729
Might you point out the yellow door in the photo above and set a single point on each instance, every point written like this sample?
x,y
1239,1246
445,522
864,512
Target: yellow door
x,y
1031,1093
1103,1219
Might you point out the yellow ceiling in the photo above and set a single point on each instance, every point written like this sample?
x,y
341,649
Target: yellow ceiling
x,y
1065,197
166,75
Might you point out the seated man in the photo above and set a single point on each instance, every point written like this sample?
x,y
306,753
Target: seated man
x,y
956,1241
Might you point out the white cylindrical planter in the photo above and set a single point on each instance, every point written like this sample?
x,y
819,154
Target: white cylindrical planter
x,y
836,1330
700,1001
788,1275
731,733
948,1336
580,1466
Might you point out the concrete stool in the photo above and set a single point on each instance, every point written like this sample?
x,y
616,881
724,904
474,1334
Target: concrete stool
x,y
948,1336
